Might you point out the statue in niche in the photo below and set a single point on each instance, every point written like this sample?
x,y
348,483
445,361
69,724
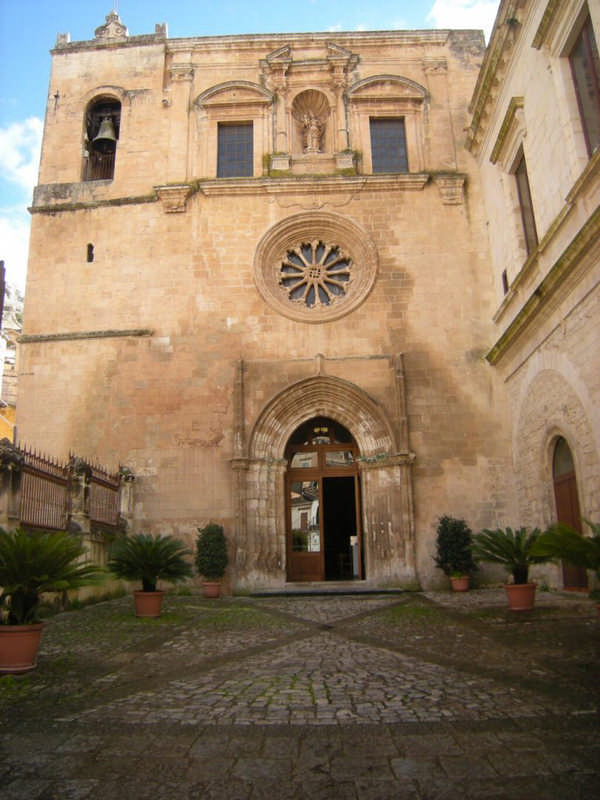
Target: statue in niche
x,y
312,132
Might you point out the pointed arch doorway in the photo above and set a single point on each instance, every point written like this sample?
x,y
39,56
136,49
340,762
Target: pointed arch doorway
x,y
323,535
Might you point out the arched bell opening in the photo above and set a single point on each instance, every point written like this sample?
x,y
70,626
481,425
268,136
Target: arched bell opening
x,y
567,506
102,126
323,531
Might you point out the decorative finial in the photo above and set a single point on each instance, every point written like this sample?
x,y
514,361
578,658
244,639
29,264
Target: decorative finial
x,y
113,29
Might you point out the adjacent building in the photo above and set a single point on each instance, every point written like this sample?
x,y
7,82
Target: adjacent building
x,y
536,135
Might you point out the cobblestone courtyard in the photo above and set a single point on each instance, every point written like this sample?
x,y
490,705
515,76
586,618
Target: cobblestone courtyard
x,y
343,696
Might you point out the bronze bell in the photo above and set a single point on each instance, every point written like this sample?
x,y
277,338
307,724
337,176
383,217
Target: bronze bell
x,y
106,138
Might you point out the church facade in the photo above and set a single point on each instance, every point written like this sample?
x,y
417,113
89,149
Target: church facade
x,y
260,277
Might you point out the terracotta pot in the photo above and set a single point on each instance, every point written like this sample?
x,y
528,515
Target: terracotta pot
x,y
148,604
460,583
521,596
211,589
19,645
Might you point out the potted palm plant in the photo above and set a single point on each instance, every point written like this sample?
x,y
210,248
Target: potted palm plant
x,y
453,552
146,558
31,564
514,550
561,542
211,558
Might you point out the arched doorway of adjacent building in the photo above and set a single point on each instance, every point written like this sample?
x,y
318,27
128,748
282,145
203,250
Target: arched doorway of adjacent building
x,y
567,506
323,503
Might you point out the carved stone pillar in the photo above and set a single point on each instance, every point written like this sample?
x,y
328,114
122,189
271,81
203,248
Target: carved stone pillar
x,y
126,497
80,474
275,68
340,61
239,465
442,145
177,94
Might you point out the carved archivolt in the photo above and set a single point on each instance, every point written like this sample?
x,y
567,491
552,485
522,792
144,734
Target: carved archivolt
x,y
315,267
321,396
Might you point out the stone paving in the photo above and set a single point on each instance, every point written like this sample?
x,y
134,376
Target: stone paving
x,y
421,696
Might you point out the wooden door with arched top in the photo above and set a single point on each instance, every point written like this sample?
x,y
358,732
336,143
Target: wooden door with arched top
x,y
323,504
567,506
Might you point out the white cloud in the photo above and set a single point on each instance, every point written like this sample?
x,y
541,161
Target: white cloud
x,y
20,144
14,244
470,14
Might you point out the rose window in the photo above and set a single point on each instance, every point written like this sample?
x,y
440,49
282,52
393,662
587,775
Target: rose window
x,y
315,267
314,273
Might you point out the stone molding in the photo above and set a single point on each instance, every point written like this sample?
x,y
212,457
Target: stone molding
x,y
174,196
317,396
506,31
513,125
332,230
29,338
451,188
556,24
565,267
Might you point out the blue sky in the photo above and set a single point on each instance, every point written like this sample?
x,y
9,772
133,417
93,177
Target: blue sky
x,y
28,30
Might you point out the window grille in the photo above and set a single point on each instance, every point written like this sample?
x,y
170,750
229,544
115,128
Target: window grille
x,y
388,145
235,158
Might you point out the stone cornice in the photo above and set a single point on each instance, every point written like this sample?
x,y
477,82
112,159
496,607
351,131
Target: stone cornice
x,y
563,268
590,173
78,205
497,56
30,338
310,184
275,41
515,105
174,197
544,27
64,47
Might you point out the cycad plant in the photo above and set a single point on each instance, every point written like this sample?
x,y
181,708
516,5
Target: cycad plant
x,y
32,563
146,558
514,550
564,543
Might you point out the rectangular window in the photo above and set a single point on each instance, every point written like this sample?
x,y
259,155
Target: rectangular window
x,y
585,68
388,145
235,156
524,192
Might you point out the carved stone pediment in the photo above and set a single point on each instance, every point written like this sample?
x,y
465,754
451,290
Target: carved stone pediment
x,y
387,87
234,93
338,61
283,55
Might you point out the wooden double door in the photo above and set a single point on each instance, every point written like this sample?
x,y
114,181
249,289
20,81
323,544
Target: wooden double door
x,y
323,508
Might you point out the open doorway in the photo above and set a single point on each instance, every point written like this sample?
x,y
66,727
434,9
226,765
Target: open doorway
x,y
323,504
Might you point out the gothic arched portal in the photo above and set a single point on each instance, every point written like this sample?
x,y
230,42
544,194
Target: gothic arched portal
x,y
383,520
